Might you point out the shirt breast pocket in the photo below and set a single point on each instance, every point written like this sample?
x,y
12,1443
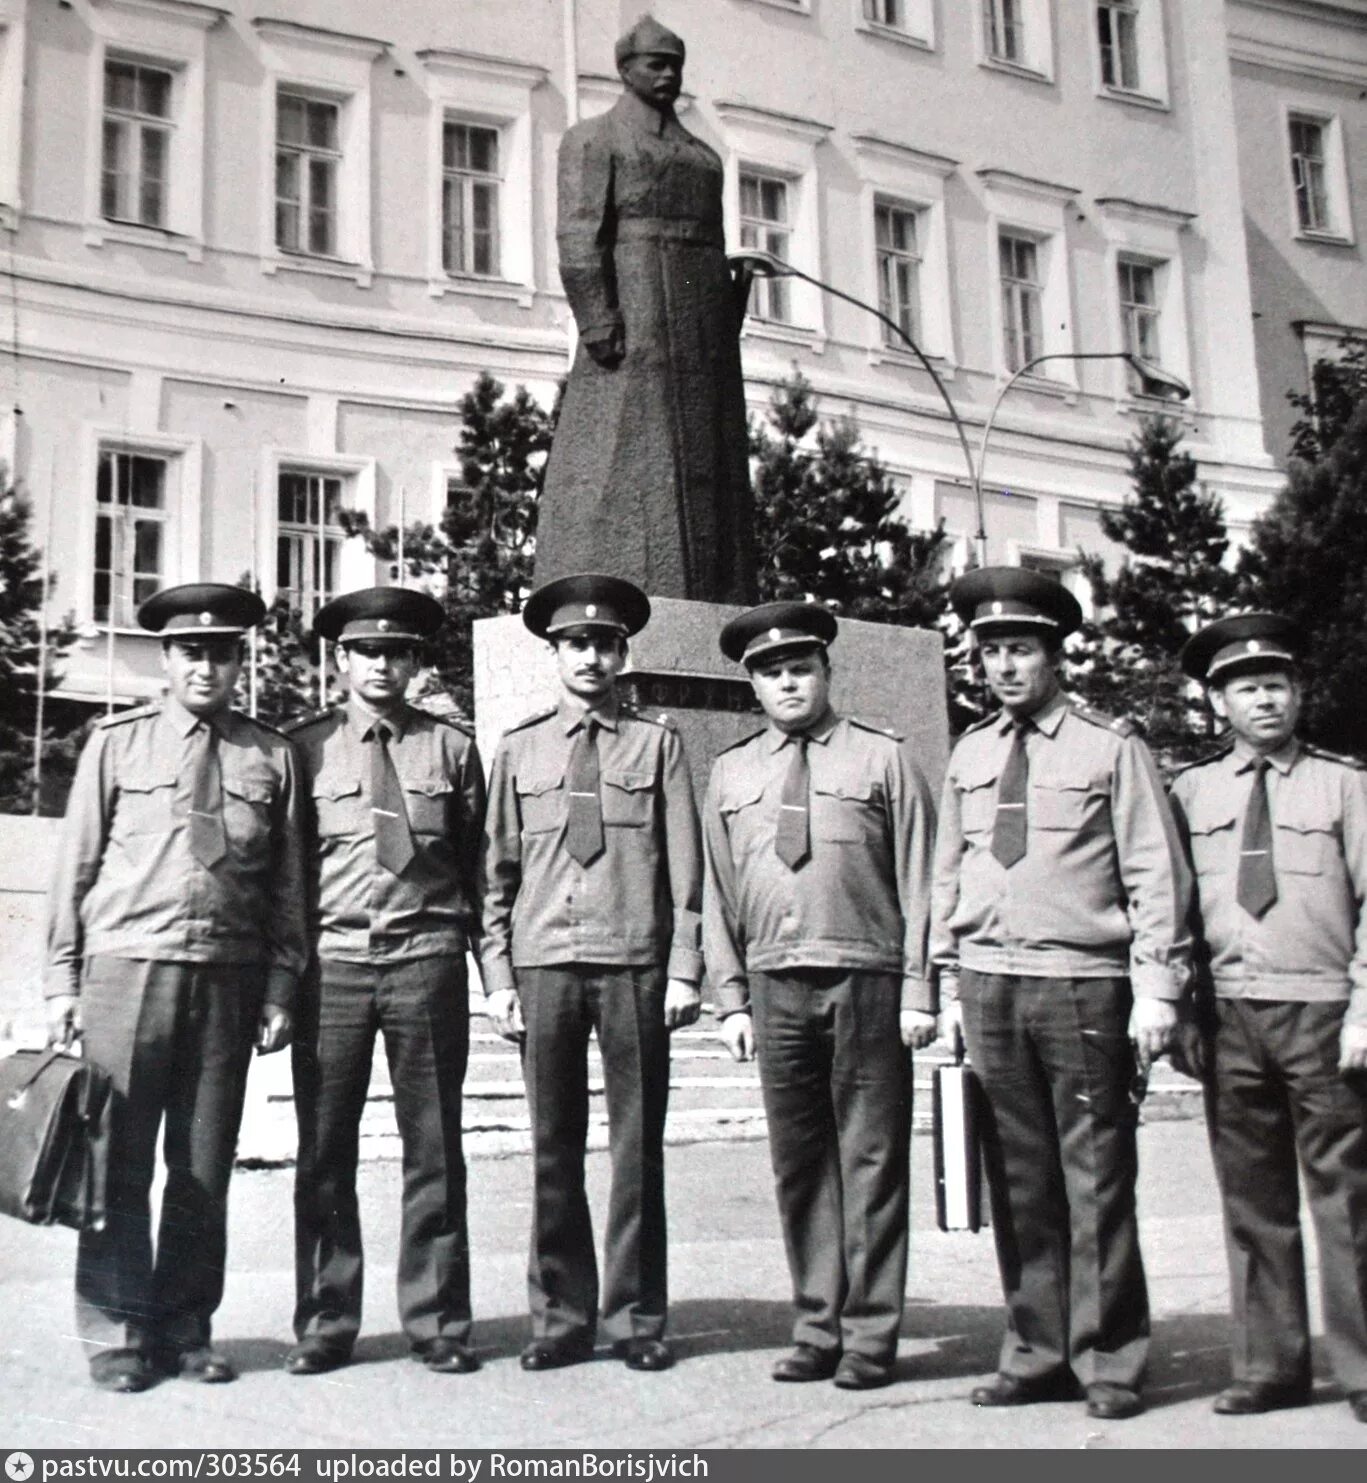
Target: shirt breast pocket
x,y
145,803
428,801
1070,806
337,806
978,803
541,803
1211,830
846,812
627,798
741,812
1304,842
247,811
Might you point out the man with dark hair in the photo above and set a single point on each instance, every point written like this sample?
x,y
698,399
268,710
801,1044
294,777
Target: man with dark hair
x,y
175,942
1278,836
395,828
592,922
1061,897
818,835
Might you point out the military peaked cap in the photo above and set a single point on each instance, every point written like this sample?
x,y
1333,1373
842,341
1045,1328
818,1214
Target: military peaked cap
x,y
1246,641
374,614
201,610
587,600
646,36
992,598
777,625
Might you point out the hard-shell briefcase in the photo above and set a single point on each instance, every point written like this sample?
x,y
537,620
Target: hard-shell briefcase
x,y
955,1105
54,1139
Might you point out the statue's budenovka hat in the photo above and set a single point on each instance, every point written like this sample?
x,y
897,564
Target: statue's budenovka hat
x,y
1248,641
587,600
994,598
201,610
397,615
647,36
774,626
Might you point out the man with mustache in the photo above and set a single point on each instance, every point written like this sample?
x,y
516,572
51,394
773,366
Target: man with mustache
x,y
592,921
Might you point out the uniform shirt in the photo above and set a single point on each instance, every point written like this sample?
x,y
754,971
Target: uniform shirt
x,y
126,884
639,902
361,911
862,898
1103,888
1311,943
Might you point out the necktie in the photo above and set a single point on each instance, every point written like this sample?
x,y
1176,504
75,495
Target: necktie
x,y
393,837
1008,832
1257,876
208,839
792,839
584,825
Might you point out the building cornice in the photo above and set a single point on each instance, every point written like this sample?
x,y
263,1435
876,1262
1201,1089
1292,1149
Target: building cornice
x,y
502,69
269,28
877,144
1353,12
809,129
1322,330
1026,185
206,17
1130,210
1280,56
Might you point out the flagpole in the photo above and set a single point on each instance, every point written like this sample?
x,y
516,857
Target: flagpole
x,y
403,574
256,589
318,598
42,634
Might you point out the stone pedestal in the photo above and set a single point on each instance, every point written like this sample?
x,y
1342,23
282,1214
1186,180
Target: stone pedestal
x,y
885,675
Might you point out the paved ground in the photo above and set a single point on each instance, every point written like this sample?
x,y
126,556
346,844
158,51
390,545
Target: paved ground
x,y
730,1320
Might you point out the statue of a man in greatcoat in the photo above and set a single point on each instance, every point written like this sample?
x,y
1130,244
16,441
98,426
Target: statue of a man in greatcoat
x,y
648,475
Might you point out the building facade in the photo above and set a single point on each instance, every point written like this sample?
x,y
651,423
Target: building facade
x,y
256,252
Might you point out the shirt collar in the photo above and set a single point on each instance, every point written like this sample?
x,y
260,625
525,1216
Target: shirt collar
x,y
820,732
1047,719
657,121
573,712
364,721
1283,759
183,722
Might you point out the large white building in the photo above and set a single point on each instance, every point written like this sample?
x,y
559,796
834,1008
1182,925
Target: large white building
x,y
256,251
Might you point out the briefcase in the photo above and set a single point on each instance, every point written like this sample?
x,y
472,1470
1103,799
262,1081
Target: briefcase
x,y
955,1103
54,1139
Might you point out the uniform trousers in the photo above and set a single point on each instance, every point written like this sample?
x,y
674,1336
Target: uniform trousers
x,y
1059,1143
176,1040
836,1080
625,1007
421,1008
1276,1091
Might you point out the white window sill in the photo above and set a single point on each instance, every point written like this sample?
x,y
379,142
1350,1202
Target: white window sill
x,y
163,239
1134,99
1016,69
1065,391
361,274
1324,237
793,7
1136,404
894,33
470,286
896,355
782,333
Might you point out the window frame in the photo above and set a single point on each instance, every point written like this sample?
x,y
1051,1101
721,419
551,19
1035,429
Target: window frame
x,y
309,155
13,43
890,302
1151,54
122,606
134,124
356,568
1340,229
916,27
469,181
1036,60
307,532
1017,291
774,292
1134,312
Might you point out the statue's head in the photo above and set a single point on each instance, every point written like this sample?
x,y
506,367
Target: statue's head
x,y
650,60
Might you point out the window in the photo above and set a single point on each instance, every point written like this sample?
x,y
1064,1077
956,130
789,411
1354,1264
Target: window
x,y
137,143
890,13
899,267
1004,30
308,162
765,223
1309,174
1022,300
469,200
1139,311
130,534
1117,25
308,543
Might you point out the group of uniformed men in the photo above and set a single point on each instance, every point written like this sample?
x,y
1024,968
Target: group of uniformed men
x,y
222,885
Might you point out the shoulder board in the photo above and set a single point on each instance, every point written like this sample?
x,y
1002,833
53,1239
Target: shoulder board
x,y
887,731
978,725
656,718
1354,762
743,742
1121,725
1204,761
265,726
531,720
456,723
121,718
290,727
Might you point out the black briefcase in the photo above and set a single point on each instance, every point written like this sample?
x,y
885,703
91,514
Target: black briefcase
x,y
54,1139
955,1106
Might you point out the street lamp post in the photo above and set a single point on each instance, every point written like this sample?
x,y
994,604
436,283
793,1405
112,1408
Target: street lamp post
x,y
1154,381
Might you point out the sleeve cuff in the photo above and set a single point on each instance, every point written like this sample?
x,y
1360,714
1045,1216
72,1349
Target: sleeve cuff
x,y
947,982
918,993
1158,980
282,988
1356,1013
497,976
62,980
732,998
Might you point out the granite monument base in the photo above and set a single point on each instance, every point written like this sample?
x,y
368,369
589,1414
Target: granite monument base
x,y
882,674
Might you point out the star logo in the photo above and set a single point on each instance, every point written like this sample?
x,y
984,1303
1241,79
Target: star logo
x,y
383,625
591,611
775,634
19,1467
205,619
1254,647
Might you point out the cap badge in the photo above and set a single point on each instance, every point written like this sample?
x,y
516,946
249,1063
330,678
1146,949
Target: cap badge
x,y
775,634
1254,647
383,625
205,619
591,610
997,608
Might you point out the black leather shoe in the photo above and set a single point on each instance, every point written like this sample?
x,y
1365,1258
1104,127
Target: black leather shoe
x,y
446,1357
1109,1402
205,1365
1022,1390
650,1355
315,1359
1253,1397
858,1372
124,1371
555,1354
807,1362
1357,1404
